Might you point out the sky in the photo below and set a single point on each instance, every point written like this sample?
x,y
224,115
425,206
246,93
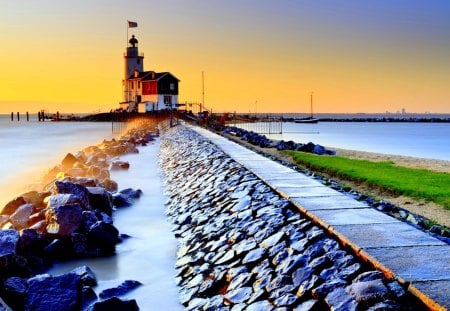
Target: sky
x,y
256,55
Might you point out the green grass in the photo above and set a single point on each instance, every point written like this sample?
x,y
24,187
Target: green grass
x,y
415,183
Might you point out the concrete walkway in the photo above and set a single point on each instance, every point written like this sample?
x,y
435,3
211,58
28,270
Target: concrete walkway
x,y
396,248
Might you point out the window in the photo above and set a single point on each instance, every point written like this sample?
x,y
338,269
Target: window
x,y
132,85
139,85
172,86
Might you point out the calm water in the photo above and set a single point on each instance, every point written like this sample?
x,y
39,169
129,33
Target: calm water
x,y
28,148
423,140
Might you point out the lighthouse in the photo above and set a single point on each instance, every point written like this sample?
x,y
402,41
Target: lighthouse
x,y
133,63
145,91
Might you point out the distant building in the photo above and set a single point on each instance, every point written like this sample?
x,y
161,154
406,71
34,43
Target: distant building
x,y
145,91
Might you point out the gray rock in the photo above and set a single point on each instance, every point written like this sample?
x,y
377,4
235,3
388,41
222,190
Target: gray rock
x,y
58,293
20,217
63,220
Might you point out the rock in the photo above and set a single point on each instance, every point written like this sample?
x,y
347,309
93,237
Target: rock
x,y
72,188
318,149
57,293
238,295
119,165
14,289
114,303
369,292
20,217
9,239
121,200
60,199
110,185
36,198
69,161
30,243
100,198
104,235
89,219
12,206
131,193
86,275
63,220
339,299
397,290
120,290
369,276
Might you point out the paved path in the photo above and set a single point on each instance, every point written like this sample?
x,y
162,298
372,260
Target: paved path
x,y
398,249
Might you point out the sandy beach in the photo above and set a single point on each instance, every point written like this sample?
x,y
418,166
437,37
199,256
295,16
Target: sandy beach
x,y
412,162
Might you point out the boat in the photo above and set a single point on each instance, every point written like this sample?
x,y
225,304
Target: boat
x,y
309,119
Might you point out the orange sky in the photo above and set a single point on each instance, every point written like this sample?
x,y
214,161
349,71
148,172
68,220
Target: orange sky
x,y
264,56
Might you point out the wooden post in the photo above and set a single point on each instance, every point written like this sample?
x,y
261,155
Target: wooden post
x,y
12,116
28,117
18,117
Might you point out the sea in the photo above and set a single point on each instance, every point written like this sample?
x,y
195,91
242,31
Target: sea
x,y
415,139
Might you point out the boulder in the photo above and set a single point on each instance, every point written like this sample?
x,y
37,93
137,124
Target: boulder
x,y
318,149
9,239
104,235
12,206
20,217
58,293
114,303
110,185
119,165
131,193
36,198
120,290
63,220
14,289
309,147
72,188
87,276
61,199
369,292
89,218
100,198
69,161
98,172
121,200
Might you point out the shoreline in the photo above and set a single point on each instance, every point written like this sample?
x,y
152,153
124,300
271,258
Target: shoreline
x,y
429,210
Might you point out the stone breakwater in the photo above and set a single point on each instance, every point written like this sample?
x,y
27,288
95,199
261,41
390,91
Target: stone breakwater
x,y
264,142
243,247
68,216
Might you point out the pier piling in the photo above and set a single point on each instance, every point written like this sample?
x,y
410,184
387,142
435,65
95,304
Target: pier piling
x,y
18,116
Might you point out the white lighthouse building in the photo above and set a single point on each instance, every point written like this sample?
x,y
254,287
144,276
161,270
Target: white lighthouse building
x,y
146,91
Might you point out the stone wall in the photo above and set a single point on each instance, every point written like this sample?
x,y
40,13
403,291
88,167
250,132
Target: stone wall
x,y
243,247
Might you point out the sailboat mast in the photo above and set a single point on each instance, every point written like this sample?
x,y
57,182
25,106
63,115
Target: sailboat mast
x,y
311,105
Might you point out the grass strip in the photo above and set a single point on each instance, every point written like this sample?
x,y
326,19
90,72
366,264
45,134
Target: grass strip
x,y
415,183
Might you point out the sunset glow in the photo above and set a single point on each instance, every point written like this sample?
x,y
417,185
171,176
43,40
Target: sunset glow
x,y
257,56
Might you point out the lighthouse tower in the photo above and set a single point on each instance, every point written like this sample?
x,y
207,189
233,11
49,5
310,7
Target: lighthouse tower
x,y
134,64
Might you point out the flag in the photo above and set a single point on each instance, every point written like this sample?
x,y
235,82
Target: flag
x,y
132,24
